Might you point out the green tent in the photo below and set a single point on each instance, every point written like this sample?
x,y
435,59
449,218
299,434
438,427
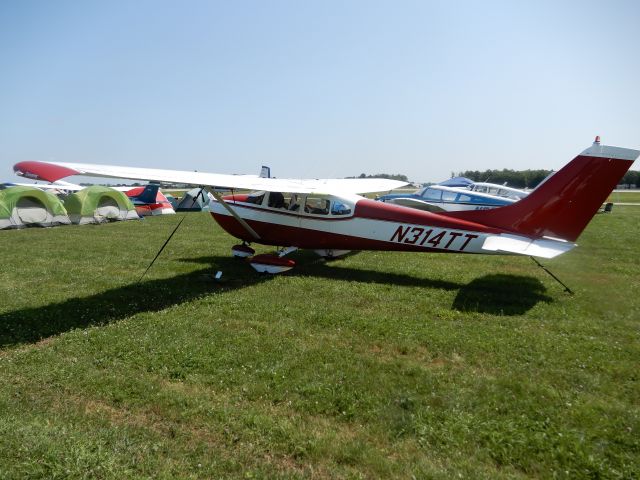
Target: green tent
x,y
30,207
98,204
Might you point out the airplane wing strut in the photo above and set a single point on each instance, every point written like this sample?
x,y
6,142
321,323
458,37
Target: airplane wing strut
x,y
240,220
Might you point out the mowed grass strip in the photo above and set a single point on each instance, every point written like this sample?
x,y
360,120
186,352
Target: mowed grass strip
x,y
377,365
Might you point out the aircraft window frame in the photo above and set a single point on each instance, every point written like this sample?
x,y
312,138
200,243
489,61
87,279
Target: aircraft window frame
x,y
295,201
448,196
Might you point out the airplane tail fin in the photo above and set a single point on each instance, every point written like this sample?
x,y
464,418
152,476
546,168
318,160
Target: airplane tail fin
x,y
564,204
149,193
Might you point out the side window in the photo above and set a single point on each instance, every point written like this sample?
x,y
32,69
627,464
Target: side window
x,y
449,196
432,194
318,206
340,209
464,198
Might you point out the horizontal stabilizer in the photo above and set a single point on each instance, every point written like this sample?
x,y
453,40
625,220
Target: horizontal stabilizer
x,y
541,247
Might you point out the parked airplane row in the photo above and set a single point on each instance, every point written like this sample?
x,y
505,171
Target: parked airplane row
x,y
331,217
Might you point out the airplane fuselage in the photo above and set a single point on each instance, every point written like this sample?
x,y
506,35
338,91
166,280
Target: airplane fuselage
x,y
369,225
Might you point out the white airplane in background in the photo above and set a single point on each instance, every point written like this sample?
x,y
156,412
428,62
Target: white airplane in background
x,y
457,194
330,217
498,190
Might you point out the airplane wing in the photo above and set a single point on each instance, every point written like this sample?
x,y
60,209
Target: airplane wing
x,y
52,171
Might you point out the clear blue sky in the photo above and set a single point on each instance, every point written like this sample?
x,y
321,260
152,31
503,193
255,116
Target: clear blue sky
x,y
317,88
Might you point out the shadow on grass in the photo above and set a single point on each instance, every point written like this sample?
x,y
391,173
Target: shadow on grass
x,y
33,324
497,294
308,264
501,295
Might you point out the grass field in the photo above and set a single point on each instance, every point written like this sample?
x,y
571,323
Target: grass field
x,y
632,196
379,365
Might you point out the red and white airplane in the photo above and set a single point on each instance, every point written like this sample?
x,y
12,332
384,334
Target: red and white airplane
x,y
330,217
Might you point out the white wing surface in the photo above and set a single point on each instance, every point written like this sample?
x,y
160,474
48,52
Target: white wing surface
x,y
52,171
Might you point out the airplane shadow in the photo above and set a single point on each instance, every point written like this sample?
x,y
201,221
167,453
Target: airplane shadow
x,y
500,294
497,294
33,324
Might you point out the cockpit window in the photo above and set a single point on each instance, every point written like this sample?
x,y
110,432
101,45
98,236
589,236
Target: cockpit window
x,y
339,208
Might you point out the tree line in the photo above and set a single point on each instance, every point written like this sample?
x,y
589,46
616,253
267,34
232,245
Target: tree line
x,y
394,176
529,178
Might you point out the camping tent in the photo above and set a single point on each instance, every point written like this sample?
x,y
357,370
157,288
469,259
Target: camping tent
x,y
30,207
194,201
98,204
172,200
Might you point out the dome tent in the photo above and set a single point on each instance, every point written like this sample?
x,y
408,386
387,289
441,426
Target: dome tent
x,y
195,200
99,204
30,207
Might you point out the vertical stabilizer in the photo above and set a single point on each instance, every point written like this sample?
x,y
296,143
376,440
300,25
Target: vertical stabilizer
x,y
564,204
149,194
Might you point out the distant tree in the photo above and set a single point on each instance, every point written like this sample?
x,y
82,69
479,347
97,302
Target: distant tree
x,y
632,177
395,176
